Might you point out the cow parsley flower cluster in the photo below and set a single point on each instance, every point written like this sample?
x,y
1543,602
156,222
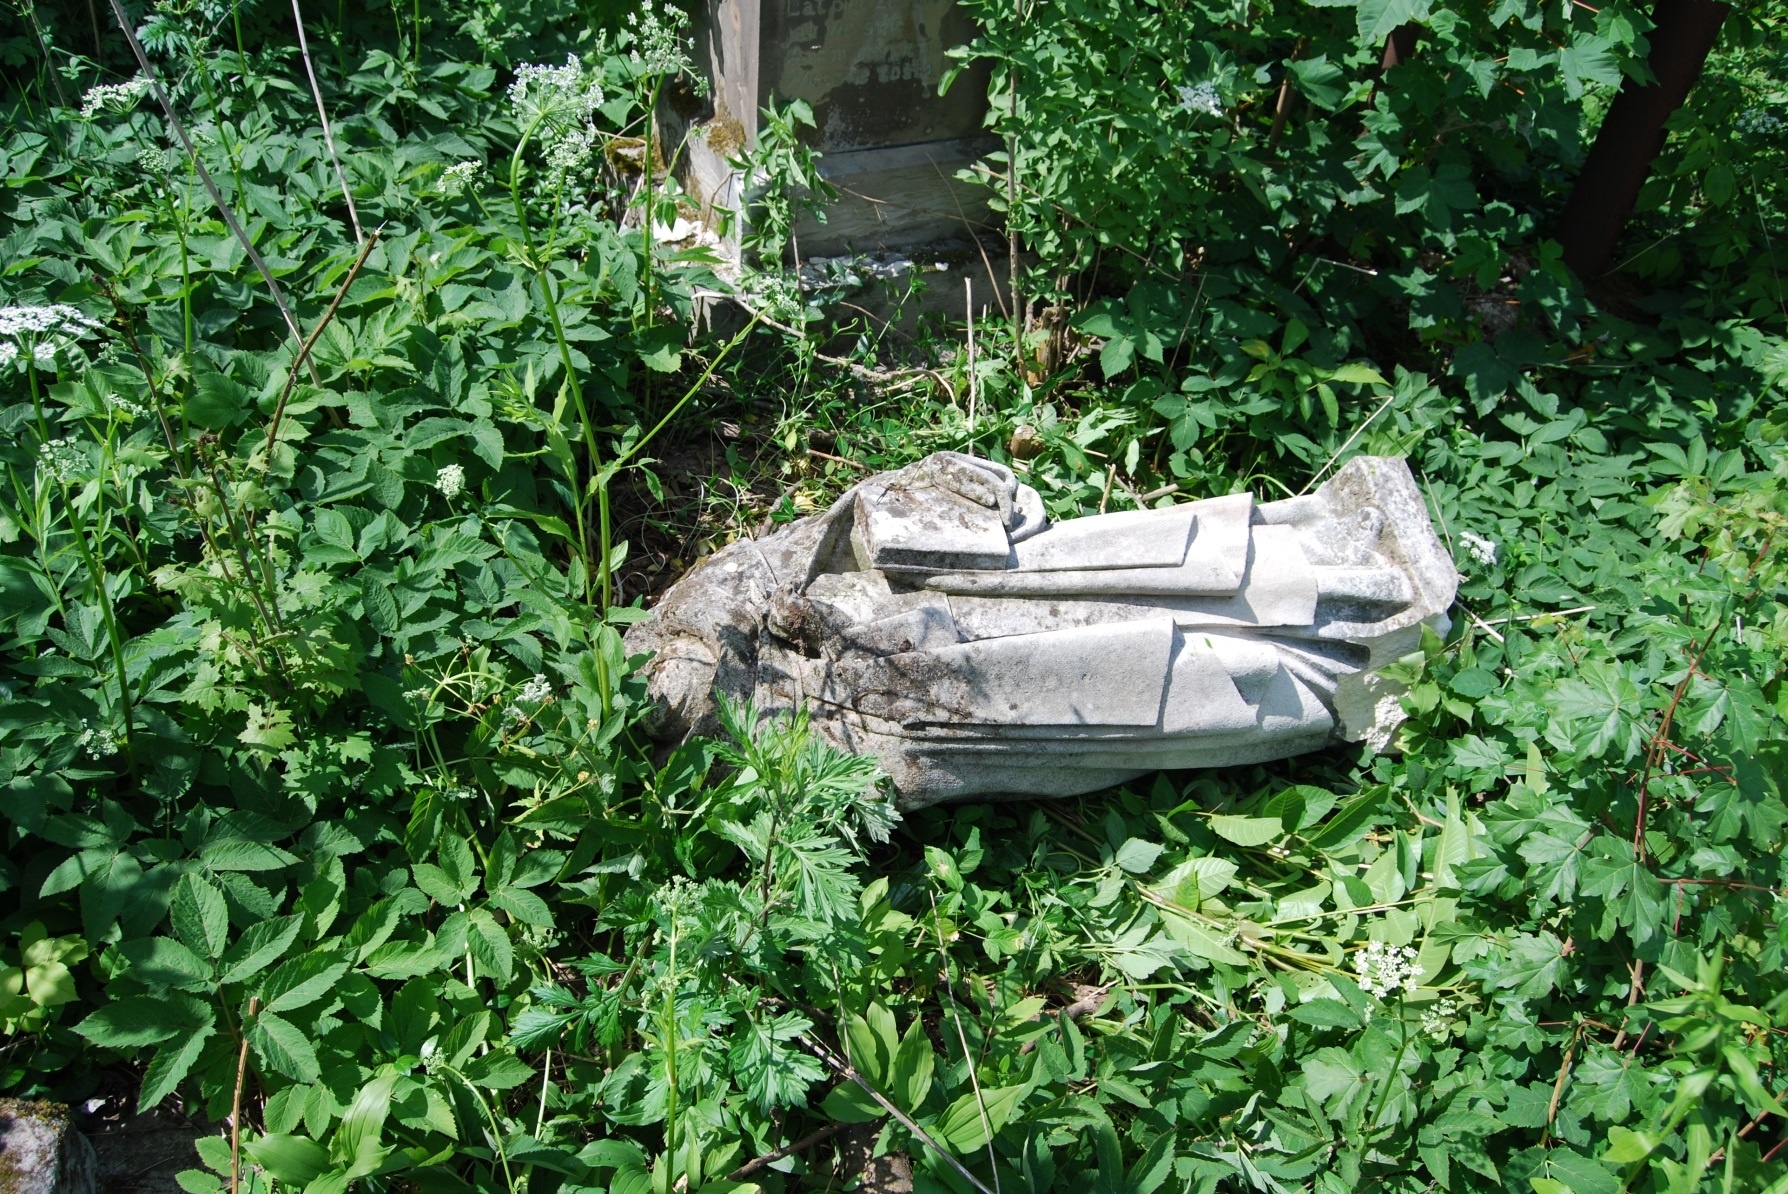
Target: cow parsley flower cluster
x,y
158,161
457,177
1760,122
568,154
450,480
62,460
114,97
1437,1019
535,690
557,104
1482,550
1202,97
1385,968
656,39
556,99
98,741
43,332
124,404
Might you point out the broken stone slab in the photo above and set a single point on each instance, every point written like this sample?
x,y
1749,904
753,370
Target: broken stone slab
x,y
40,1151
934,619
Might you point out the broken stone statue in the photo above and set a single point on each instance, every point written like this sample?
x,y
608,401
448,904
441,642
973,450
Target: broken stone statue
x,y
935,619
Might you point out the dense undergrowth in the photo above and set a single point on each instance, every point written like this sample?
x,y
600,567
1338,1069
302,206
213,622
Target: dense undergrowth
x,y
328,814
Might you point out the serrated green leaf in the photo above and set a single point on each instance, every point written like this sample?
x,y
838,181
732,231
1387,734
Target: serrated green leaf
x,y
170,1065
201,918
283,1047
259,947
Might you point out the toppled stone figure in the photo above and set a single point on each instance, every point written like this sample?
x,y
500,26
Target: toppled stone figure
x,y
935,619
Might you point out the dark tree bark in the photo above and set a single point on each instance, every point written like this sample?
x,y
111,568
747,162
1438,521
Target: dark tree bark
x,y
1632,133
1400,46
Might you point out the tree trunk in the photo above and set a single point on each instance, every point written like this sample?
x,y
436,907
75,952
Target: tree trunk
x,y
1400,46
1633,132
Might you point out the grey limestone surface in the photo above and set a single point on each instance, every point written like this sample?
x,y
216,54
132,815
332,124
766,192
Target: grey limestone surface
x,y
40,1151
934,619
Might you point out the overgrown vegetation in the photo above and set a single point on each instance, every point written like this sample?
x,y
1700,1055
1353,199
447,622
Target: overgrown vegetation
x,y
329,819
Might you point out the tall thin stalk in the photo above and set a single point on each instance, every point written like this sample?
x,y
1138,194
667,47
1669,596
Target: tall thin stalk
x,y
316,93
192,153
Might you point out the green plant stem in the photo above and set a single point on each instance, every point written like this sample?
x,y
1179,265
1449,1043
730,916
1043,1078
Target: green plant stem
x,y
496,1132
573,386
111,620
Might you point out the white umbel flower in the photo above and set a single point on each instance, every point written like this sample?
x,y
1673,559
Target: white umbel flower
x,y
1201,98
1384,969
114,97
457,177
62,460
535,690
1482,550
560,98
41,333
450,480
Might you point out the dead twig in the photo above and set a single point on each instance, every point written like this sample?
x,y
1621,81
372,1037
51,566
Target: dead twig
x,y
254,1005
322,115
788,1150
192,153
303,357
848,1073
838,459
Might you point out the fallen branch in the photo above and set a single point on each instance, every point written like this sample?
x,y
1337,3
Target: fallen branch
x,y
788,1150
303,357
849,1073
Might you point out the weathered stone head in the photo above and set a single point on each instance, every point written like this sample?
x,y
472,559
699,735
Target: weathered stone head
x,y
935,619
